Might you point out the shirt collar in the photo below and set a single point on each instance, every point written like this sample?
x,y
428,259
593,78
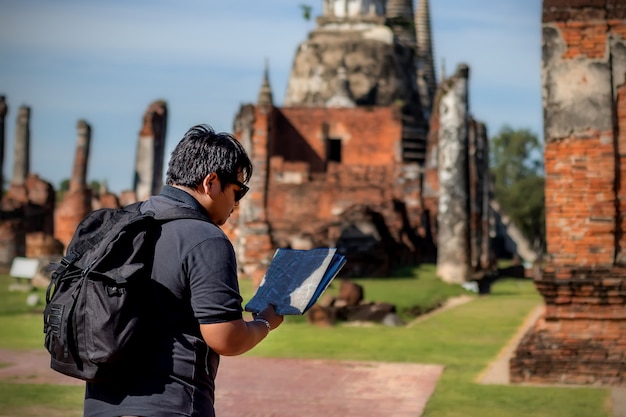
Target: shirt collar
x,y
182,196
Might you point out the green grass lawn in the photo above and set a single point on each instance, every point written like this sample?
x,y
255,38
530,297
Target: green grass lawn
x,y
464,339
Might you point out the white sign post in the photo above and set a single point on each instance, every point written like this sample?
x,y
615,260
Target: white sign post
x,y
23,270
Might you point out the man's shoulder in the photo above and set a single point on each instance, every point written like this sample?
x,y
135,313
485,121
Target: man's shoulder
x,y
187,224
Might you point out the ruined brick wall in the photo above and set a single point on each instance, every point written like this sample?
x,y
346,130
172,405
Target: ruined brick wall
x,y
41,204
25,211
580,338
369,136
301,199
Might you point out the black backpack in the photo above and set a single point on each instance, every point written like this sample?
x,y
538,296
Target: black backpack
x,y
93,320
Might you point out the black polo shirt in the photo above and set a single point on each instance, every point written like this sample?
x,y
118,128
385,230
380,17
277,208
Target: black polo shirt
x,y
194,282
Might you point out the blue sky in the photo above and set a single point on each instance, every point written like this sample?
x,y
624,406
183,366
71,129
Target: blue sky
x,y
106,61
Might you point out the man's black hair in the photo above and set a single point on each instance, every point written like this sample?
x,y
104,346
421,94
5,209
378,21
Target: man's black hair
x,y
202,151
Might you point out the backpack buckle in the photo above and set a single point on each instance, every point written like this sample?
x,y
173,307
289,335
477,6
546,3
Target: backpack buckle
x,y
69,259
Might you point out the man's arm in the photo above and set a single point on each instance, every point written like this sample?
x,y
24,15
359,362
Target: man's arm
x,y
235,337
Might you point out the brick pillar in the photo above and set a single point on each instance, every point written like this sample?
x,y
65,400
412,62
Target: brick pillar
x,y
581,338
78,181
453,220
253,242
76,202
21,156
481,259
151,151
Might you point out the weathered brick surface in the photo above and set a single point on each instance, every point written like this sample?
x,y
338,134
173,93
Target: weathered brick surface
x,y
583,10
580,339
584,38
580,201
572,351
74,207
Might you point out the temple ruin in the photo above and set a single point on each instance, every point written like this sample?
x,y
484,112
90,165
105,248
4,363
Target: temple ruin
x,y
580,339
369,153
373,155
366,154
32,225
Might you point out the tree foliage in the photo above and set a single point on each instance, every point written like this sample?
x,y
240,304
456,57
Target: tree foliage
x,y
516,160
306,11
64,186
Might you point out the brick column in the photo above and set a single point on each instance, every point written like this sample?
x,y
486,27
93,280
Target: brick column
x,y
76,202
581,338
151,151
21,156
78,181
453,264
252,242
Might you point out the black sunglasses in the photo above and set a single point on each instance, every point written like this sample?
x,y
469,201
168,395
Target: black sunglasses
x,y
243,189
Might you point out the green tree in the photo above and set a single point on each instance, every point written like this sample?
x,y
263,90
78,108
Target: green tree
x,y
95,186
64,185
516,160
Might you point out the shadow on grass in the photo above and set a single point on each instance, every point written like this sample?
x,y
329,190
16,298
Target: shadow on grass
x,y
512,272
403,272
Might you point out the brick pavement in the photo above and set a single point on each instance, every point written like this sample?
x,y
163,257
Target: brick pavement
x,y
264,387
268,387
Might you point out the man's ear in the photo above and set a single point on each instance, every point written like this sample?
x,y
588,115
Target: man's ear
x,y
209,184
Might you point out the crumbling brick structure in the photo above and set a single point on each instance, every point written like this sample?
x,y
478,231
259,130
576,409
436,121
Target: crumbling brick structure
x,y
349,161
308,199
581,338
26,210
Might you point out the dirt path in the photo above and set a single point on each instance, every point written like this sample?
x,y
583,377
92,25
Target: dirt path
x,y
305,388
498,371
31,367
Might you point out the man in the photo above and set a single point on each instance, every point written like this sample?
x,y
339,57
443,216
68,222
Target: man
x,y
196,311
